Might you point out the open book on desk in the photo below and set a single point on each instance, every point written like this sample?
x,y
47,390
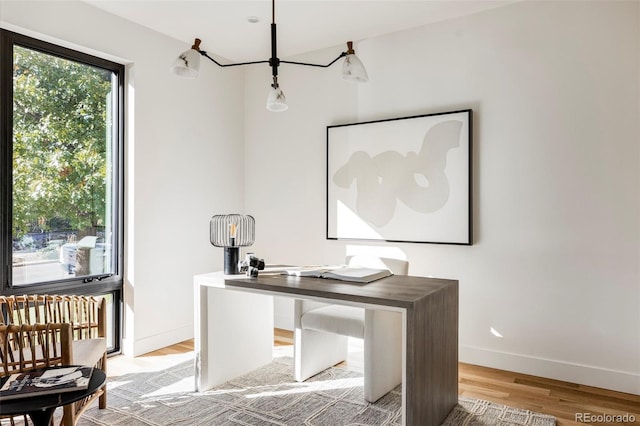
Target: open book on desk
x,y
45,381
342,273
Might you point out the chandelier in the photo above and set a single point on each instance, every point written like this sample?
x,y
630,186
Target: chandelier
x,y
187,65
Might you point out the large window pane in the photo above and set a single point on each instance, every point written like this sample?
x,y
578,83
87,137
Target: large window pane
x,y
62,223
61,176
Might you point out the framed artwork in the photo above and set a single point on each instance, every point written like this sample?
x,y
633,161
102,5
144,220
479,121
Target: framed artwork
x,y
404,179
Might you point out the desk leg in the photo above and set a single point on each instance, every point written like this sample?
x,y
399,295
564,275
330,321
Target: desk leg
x,y
233,334
432,358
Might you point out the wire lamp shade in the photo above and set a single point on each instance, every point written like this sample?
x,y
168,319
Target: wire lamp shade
x,y
232,230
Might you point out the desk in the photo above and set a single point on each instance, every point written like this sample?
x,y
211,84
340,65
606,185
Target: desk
x,y
41,408
234,330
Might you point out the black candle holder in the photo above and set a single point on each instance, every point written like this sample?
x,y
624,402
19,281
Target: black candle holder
x,y
232,231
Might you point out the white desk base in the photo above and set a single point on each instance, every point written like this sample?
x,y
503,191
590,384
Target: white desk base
x,y
243,325
234,330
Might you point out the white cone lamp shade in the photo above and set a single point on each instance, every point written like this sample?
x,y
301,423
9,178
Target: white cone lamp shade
x,y
276,101
353,70
187,65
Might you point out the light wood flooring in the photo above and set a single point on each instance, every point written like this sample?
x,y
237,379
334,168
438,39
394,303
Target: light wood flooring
x,y
560,399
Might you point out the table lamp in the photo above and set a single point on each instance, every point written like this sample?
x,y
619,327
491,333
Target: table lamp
x,y
232,231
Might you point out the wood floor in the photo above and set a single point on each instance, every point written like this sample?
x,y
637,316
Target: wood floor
x,y
561,399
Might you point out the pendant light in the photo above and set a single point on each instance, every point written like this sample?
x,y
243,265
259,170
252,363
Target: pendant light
x,y
187,65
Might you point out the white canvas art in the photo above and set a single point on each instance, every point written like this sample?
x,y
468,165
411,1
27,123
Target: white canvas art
x,y
405,179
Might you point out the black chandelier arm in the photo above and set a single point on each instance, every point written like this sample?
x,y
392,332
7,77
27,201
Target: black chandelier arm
x,y
342,55
268,61
203,53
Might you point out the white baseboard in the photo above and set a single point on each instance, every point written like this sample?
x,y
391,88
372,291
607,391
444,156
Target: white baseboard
x,y
621,381
162,340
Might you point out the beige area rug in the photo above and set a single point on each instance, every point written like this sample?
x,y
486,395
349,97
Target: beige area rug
x,y
270,396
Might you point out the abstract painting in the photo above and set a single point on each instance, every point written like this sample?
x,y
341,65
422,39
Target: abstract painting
x,y
404,179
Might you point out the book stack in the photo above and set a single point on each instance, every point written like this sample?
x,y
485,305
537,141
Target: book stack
x,y
45,381
343,273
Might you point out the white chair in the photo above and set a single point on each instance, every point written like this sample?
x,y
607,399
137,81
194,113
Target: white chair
x,y
321,334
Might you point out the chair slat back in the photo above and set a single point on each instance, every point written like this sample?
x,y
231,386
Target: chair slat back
x,y
28,347
82,312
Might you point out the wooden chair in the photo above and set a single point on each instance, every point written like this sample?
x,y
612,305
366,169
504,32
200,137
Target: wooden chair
x,y
321,332
28,347
87,316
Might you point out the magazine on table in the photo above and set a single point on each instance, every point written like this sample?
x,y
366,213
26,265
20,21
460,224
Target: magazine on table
x,y
45,381
344,273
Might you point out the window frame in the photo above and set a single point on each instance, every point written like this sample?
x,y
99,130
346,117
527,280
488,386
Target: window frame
x,y
85,285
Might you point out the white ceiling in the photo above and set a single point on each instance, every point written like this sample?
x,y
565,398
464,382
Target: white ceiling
x,y
303,25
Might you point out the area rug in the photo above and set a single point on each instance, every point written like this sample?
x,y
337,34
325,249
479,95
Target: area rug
x,y
269,396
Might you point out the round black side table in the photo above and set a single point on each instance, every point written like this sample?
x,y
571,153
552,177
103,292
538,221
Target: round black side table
x,y
40,408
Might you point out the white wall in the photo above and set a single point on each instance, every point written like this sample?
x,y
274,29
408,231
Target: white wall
x,y
555,91
184,150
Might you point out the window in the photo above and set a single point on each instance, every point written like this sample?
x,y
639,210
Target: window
x,y
61,124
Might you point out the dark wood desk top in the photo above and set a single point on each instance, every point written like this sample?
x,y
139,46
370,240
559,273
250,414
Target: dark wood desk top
x,y
397,290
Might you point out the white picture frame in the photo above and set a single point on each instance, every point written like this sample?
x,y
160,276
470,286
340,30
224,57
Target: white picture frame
x,y
404,179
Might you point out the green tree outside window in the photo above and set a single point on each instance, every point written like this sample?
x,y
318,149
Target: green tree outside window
x,y
61,133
